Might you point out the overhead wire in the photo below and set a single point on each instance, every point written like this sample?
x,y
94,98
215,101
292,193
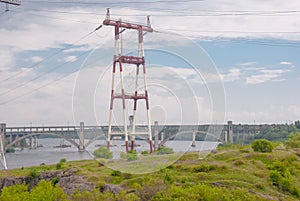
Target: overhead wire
x,y
48,57
47,84
112,2
42,86
40,76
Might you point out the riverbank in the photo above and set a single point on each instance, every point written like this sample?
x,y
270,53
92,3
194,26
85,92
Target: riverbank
x,y
235,173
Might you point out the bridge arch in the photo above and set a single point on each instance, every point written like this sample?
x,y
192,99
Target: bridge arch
x,y
94,139
190,132
36,134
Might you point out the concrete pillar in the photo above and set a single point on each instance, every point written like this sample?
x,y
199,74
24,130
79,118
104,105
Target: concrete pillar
x,y
132,136
156,135
2,145
81,137
194,139
230,131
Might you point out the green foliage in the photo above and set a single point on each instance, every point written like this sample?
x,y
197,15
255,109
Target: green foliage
x,y
43,191
150,189
10,150
204,192
116,173
33,173
58,165
145,153
63,160
46,191
132,155
55,180
164,150
262,145
280,176
204,168
103,152
168,178
276,133
293,140
18,192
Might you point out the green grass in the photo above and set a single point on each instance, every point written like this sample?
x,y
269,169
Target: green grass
x,y
230,167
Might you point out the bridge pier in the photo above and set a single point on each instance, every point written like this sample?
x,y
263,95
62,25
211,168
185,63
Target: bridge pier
x,y
230,132
194,139
155,135
33,142
81,137
2,145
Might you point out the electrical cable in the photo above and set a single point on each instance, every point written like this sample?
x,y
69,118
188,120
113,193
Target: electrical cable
x,y
48,57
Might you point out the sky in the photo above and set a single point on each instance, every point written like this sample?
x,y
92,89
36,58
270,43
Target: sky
x,y
207,61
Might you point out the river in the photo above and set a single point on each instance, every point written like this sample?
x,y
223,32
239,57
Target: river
x,y
47,154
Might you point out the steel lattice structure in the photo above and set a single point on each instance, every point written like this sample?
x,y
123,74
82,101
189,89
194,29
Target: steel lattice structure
x,y
139,61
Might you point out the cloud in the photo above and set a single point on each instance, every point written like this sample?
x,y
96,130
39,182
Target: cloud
x,y
70,59
251,63
266,75
286,63
36,59
234,74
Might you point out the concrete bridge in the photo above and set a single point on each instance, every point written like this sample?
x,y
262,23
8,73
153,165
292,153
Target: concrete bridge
x,y
82,136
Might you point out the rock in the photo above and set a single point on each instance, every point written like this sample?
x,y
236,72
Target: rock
x,y
114,189
67,180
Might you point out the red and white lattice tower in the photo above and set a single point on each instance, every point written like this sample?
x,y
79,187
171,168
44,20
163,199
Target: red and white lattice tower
x,y
139,61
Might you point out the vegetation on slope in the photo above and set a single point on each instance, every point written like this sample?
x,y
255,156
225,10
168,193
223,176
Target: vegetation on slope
x,y
229,173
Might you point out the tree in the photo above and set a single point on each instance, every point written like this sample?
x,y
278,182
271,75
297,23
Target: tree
x,y
262,145
103,152
294,140
15,193
46,191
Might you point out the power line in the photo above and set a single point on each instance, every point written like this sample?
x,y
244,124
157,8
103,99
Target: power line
x,y
113,3
39,76
42,86
48,57
36,89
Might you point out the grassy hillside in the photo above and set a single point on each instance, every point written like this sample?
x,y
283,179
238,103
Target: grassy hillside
x,y
232,173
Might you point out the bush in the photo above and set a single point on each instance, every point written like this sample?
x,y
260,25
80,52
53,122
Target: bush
x,y
145,153
132,155
164,150
294,140
116,173
63,160
33,174
103,152
262,146
204,168
58,166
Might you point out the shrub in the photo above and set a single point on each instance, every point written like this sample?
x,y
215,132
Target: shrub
x,y
33,174
55,180
262,146
164,150
294,140
116,173
63,160
204,168
58,166
145,153
132,155
103,152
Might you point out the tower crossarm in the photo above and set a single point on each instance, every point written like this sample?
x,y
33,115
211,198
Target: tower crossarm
x,y
127,25
128,96
130,60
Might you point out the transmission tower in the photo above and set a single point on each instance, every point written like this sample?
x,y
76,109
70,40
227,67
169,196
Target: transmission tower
x,y
139,61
